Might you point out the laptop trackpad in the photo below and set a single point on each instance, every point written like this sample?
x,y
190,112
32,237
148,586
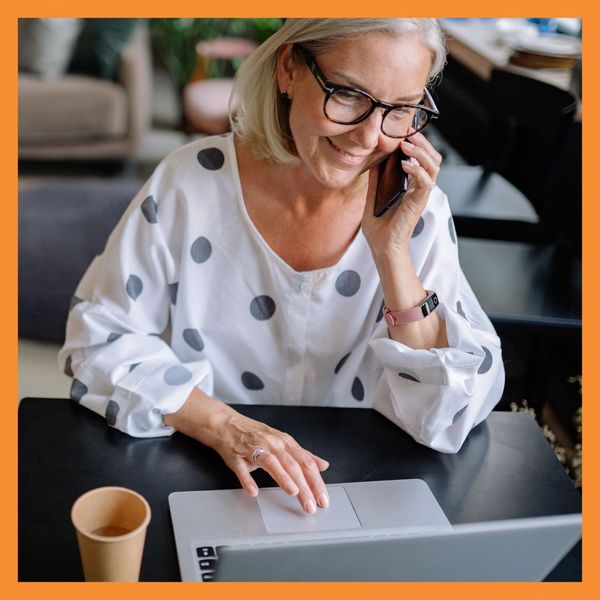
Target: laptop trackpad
x,y
282,513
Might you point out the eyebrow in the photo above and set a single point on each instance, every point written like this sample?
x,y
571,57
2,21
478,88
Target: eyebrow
x,y
355,84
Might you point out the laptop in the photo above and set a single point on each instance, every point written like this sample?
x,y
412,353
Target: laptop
x,y
373,531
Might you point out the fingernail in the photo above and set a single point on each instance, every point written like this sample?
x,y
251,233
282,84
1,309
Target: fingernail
x,y
253,490
324,500
408,144
310,507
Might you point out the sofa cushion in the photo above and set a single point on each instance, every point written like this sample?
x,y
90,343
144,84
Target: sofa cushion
x,y
71,109
46,45
98,49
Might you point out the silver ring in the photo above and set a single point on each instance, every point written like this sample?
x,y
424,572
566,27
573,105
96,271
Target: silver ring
x,y
256,454
434,184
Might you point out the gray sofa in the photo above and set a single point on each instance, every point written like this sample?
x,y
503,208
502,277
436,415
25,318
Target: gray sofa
x,y
78,117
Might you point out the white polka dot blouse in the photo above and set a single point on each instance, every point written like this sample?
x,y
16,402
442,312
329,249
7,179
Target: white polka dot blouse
x,y
187,293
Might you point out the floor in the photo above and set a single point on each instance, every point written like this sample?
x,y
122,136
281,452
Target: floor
x,y
39,374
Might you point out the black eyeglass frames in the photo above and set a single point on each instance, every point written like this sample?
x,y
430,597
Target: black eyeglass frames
x,y
348,106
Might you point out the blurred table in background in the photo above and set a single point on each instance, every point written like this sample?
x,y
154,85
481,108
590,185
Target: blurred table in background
x,y
479,46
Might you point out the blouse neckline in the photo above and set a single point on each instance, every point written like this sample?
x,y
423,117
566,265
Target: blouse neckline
x,y
258,235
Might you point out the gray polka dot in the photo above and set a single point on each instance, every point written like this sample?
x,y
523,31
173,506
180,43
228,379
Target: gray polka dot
x,y
133,366
134,287
380,313
341,363
150,209
194,339
112,410
459,310
452,229
78,390
347,283
252,381
68,369
419,227
74,301
201,250
177,375
358,391
262,307
113,336
459,414
173,289
211,158
486,363
409,377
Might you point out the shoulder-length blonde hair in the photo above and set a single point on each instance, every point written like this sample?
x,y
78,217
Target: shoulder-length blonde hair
x,y
261,114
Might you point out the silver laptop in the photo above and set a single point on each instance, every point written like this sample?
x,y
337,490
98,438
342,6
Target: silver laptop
x,y
372,531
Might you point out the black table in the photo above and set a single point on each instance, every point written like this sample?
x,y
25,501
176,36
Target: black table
x,y
505,470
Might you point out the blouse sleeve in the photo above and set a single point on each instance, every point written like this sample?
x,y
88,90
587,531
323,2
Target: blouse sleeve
x,y
439,395
115,348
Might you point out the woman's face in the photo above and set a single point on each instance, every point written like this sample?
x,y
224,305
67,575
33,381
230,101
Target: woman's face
x,y
391,69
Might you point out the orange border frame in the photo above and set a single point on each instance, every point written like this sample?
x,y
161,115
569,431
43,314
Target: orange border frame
x,y
10,588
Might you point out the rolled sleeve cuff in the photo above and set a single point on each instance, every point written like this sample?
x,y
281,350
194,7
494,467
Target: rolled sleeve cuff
x,y
436,366
154,390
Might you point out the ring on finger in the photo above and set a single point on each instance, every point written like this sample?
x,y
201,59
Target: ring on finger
x,y
256,454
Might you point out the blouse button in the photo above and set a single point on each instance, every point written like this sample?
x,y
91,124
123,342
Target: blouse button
x,y
304,286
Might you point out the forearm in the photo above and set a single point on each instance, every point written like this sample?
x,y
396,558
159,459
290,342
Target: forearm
x,y
402,290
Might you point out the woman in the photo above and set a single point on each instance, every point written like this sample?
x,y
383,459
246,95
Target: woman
x,y
250,267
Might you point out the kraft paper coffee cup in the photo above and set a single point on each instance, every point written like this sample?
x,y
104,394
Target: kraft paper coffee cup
x,y
111,525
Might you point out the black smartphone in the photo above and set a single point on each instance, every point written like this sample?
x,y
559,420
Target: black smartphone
x,y
392,182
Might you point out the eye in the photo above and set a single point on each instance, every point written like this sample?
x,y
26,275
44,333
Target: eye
x,y
401,113
348,96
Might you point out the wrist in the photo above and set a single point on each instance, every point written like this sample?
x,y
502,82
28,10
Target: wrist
x,y
389,257
201,417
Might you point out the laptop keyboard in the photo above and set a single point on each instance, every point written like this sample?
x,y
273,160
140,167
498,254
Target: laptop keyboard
x,y
207,561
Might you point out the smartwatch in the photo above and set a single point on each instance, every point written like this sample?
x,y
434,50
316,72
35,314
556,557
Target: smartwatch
x,y
411,315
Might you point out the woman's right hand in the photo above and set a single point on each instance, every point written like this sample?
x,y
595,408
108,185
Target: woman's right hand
x,y
236,437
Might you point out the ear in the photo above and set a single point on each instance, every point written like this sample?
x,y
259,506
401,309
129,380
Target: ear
x,y
287,68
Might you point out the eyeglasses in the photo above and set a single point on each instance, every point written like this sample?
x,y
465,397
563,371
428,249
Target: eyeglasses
x,y
348,106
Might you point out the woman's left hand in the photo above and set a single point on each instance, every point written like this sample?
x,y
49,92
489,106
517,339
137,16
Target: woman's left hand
x,y
389,234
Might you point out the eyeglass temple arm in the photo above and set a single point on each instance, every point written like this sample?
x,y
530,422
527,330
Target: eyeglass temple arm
x,y
312,65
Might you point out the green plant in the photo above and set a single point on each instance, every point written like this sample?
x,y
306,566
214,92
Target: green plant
x,y
569,457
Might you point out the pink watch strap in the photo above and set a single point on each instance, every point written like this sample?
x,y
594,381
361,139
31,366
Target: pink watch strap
x,y
412,314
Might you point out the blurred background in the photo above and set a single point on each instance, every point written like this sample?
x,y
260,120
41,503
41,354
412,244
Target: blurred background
x,y
102,101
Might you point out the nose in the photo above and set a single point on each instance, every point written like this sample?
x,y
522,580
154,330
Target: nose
x,y
367,132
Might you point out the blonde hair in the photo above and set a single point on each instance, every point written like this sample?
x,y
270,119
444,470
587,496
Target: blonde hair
x,y
261,113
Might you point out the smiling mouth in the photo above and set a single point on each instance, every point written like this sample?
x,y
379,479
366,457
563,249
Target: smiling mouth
x,y
347,156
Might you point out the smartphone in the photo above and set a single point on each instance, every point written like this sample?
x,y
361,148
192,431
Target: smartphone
x,y
392,182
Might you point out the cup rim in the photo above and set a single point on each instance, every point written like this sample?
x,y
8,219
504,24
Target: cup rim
x,y
112,538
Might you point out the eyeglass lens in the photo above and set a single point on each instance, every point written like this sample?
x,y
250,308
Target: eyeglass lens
x,y
347,106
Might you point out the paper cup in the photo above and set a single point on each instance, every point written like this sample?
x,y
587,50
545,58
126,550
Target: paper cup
x,y
111,525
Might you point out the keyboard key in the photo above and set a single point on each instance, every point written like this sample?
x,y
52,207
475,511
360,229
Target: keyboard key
x,y
205,551
208,576
208,563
